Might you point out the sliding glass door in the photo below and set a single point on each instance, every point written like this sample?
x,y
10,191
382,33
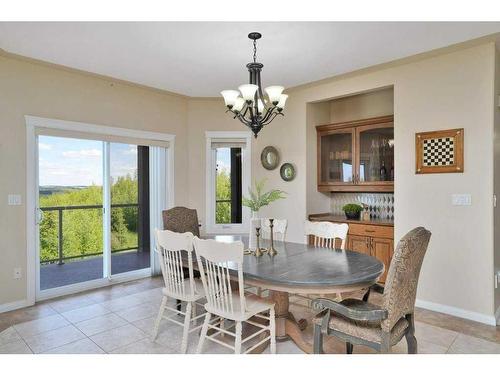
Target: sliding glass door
x,y
93,210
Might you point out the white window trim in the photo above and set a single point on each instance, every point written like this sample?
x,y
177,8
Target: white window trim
x,y
246,161
32,271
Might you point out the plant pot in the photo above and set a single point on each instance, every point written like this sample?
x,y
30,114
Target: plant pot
x,y
352,215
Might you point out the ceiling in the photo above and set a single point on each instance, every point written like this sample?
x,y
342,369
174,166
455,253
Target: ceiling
x,y
203,58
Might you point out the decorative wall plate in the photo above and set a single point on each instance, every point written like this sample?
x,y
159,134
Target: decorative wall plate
x,y
287,172
269,158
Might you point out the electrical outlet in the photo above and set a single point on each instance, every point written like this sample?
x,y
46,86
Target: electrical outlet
x,y
17,273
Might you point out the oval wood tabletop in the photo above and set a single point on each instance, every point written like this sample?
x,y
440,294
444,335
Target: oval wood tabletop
x,y
305,267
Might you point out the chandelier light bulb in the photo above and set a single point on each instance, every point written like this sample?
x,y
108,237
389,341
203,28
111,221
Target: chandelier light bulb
x,y
230,97
248,92
274,93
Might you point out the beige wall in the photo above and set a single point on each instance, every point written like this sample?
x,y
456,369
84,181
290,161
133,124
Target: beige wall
x,y
440,92
28,88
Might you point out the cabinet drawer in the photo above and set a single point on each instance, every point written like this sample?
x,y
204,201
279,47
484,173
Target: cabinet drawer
x,y
371,230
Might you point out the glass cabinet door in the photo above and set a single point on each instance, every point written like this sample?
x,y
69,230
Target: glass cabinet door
x,y
336,157
375,154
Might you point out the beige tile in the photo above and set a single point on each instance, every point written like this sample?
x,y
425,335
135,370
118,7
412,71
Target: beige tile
x,y
471,345
118,337
146,325
100,324
121,303
83,346
85,313
139,312
288,347
38,326
436,335
144,346
426,347
15,347
9,335
53,339
71,303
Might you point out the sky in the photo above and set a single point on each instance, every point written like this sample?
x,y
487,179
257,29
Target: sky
x,y
78,162
224,159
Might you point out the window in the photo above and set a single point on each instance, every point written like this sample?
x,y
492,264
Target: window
x,y
228,176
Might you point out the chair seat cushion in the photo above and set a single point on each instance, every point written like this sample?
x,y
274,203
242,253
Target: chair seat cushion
x,y
368,331
183,292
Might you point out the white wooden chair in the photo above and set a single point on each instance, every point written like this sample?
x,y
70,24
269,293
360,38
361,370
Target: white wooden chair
x,y
214,259
325,234
279,229
189,290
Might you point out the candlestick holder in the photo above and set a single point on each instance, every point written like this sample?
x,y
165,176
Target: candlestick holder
x,y
258,252
271,251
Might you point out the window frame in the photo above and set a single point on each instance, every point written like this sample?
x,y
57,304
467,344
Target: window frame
x,y
246,159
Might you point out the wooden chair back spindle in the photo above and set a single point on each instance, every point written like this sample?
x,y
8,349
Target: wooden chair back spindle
x,y
324,233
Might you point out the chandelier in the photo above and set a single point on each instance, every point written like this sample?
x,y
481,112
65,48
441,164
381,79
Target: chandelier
x,y
252,108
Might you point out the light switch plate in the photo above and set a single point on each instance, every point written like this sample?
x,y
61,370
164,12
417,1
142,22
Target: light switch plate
x,y
461,199
14,199
18,273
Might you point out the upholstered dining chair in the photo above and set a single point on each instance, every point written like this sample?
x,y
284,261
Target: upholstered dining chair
x,y
279,229
325,234
214,259
181,220
186,288
359,322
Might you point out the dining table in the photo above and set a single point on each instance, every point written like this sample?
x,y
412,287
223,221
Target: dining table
x,y
300,268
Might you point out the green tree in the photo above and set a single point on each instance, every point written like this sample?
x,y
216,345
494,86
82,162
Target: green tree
x,y
223,192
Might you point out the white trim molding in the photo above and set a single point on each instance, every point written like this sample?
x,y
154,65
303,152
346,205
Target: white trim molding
x,y
210,226
9,306
455,311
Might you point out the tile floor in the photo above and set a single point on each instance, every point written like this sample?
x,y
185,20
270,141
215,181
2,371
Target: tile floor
x,y
119,319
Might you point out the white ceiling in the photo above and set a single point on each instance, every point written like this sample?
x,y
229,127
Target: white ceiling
x,y
203,58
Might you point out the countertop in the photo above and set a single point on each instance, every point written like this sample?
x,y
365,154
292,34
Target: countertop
x,y
342,219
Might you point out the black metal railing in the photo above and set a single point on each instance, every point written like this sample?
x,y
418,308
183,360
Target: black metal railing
x,y
60,249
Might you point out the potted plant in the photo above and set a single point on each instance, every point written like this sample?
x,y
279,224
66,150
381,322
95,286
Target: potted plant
x,y
352,211
255,201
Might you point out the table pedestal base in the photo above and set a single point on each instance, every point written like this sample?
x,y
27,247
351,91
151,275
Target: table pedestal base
x,y
287,327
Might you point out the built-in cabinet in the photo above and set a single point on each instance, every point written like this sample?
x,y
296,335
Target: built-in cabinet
x,y
356,155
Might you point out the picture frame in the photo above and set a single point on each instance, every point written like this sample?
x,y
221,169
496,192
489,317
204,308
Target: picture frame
x,y
440,151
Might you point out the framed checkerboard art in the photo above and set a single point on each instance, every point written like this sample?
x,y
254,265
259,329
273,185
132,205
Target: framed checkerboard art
x,y
440,151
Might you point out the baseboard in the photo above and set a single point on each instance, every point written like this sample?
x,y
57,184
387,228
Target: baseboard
x,y
455,311
14,305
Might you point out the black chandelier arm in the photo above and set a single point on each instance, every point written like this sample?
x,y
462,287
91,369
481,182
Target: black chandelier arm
x,y
268,114
272,118
243,119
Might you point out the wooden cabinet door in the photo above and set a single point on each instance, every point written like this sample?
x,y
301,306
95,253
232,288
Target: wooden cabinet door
x,y
382,249
336,157
361,244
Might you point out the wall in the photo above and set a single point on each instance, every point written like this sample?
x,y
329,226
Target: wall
x,y
29,88
365,105
443,91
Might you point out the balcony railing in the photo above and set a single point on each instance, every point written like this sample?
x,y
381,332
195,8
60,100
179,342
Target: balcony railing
x,y
60,249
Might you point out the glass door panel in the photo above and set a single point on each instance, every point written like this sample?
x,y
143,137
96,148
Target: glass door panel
x,y
376,154
70,175
129,176
336,157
